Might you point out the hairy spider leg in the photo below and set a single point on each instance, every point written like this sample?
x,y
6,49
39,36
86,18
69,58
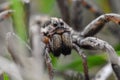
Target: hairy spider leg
x,y
84,61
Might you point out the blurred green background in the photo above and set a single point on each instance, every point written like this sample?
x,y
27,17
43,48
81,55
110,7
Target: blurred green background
x,y
72,62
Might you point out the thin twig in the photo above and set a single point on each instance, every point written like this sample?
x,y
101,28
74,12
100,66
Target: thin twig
x,y
17,53
29,66
104,73
36,40
5,14
10,68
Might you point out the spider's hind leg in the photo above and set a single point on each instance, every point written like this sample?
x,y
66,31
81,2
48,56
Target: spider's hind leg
x,y
84,61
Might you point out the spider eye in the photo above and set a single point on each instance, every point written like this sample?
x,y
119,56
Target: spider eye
x,y
61,23
55,24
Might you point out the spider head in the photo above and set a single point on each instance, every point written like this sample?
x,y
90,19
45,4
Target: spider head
x,y
57,22
57,36
55,25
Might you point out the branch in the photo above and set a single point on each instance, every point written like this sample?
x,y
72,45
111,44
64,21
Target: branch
x,y
116,69
5,14
18,53
37,45
10,68
36,23
104,73
30,68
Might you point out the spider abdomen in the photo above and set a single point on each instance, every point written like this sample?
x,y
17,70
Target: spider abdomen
x,y
61,44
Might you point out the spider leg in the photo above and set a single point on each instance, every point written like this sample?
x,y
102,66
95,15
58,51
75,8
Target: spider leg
x,y
84,61
49,64
96,25
87,6
98,44
91,8
64,9
76,15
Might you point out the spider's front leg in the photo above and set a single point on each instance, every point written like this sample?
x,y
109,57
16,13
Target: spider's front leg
x,y
49,64
84,61
96,25
97,44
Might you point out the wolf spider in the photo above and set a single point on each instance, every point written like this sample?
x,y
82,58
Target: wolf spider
x,y
60,38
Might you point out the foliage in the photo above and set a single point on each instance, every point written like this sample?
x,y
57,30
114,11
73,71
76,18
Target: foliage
x,y
76,64
104,4
46,6
5,76
18,19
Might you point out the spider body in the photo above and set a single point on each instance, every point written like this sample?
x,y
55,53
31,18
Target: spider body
x,y
61,38
58,37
